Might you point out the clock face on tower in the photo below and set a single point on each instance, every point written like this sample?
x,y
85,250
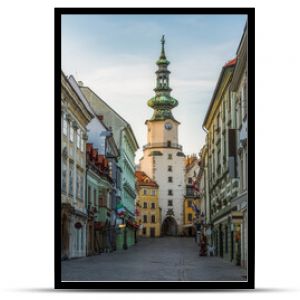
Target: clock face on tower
x,y
168,125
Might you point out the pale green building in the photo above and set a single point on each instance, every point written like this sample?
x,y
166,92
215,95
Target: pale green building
x,y
127,146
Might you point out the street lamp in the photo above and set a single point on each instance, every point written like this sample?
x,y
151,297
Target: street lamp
x,y
125,247
202,237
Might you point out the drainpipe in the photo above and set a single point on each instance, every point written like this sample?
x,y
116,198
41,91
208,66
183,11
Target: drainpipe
x,y
86,199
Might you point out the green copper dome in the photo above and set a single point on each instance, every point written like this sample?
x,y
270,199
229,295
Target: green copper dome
x,y
162,102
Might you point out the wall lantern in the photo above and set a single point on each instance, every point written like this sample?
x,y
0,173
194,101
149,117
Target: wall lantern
x,y
78,225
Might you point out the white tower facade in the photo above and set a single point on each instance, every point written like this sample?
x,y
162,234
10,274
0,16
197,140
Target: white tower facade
x,y
163,158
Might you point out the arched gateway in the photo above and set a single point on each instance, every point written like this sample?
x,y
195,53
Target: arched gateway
x,y
169,227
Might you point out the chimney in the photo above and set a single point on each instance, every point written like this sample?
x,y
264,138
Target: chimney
x,y
80,83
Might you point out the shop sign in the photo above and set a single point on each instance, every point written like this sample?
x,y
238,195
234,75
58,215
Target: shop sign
x,y
236,217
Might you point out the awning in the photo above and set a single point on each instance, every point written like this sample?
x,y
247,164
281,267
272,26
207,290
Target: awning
x,y
188,225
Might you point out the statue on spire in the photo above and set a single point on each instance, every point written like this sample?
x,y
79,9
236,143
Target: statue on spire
x,y
163,39
162,55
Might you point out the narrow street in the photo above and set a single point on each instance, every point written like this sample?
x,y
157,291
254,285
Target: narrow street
x,y
160,259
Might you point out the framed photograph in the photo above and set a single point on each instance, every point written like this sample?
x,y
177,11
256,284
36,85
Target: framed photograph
x,y
154,129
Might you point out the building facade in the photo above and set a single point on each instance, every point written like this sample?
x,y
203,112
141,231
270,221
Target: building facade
x,y
225,160
74,118
223,183
239,94
192,203
127,146
99,201
163,159
149,218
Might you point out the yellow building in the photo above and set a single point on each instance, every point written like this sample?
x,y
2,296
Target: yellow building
x,y
191,203
148,210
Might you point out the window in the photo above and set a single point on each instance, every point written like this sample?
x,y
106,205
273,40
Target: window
x,y
170,179
144,230
89,195
71,134
71,172
244,100
145,192
64,176
152,219
78,138
170,202
145,204
223,111
190,180
169,156
170,192
170,168
81,145
153,192
189,203
219,157
152,205
168,143
189,191
95,197
145,218
81,187
77,185
65,125
190,217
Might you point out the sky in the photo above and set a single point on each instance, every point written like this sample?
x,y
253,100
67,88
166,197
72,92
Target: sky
x,y
115,56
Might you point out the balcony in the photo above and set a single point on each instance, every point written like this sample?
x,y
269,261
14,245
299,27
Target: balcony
x,y
162,145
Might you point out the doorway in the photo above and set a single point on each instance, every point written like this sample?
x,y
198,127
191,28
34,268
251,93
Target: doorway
x,y
169,227
152,232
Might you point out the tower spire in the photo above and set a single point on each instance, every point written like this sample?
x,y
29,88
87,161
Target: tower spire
x,y
162,103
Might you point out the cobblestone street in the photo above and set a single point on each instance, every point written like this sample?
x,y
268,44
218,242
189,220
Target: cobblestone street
x,y
161,259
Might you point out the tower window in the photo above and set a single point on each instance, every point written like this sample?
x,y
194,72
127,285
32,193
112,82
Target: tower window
x,y
170,192
170,179
168,143
170,168
170,202
169,156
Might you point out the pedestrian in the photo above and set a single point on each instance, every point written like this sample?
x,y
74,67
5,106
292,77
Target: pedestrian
x,y
211,250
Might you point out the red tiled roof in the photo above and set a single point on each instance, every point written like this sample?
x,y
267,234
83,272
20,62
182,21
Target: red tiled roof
x,y
144,180
230,63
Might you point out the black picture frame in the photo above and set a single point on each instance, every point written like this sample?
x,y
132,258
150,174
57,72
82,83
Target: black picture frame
x,y
162,285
